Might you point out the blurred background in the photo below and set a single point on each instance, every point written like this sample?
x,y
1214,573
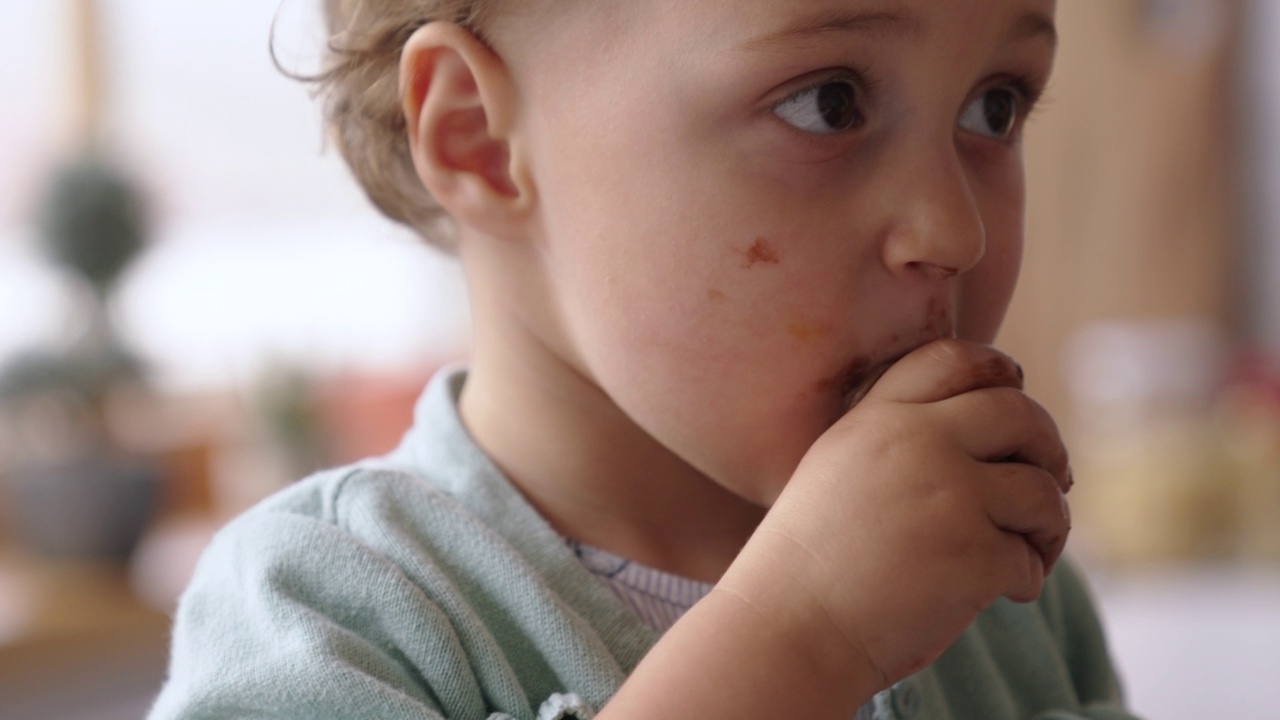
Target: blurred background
x,y
197,306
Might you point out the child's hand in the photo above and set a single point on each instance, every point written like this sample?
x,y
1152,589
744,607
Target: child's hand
x,y
941,491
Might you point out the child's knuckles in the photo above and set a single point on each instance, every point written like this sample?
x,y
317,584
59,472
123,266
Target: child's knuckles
x,y
1055,555
1012,403
1042,507
1050,536
1057,460
1000,576
949,502
1049,501
1025,570
1041,443
1059,545
1054,511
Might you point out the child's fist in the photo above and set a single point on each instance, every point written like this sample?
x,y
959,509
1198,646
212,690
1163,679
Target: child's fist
x,y
939,492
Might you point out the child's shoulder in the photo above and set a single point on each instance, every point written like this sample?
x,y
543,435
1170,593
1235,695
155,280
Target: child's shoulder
x,y
337,531
349,498
374,514
435,478
378,590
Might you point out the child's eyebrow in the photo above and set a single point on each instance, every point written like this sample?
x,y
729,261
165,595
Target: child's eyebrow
x,y
1034,25
878,23
891,24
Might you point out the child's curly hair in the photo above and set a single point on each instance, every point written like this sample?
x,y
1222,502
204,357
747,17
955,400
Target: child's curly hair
x,y
359,84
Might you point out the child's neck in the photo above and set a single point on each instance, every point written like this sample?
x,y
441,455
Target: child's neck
x,y
593,473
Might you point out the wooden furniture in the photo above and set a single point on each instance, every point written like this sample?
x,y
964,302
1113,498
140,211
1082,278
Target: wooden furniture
x,y
75,643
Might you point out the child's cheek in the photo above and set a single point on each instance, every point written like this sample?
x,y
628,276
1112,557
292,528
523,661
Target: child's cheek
x,y
777,291
747,291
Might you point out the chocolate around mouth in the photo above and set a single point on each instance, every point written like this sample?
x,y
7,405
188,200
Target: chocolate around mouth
x,y
863,373
852,383
856,386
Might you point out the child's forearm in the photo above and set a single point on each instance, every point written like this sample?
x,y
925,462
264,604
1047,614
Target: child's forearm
x,y
734,658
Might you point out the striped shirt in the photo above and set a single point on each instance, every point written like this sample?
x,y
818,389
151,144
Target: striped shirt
x,y
657,597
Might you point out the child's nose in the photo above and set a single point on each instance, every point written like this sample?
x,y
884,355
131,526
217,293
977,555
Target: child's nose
x,y
934,224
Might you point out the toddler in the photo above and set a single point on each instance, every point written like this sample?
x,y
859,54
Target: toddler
x,y
732,442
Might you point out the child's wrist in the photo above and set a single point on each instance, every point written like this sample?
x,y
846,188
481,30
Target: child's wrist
x,y
793,621
806,641
736,656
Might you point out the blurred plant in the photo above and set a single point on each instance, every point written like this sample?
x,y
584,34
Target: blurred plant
x,y
75,491
91,223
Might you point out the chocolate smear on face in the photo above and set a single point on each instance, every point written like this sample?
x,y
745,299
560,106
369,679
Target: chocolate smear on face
x,y
846,384
858,378
853,383
858,389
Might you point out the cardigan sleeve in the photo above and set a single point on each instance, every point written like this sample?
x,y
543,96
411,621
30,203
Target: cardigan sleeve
x,y
1070,610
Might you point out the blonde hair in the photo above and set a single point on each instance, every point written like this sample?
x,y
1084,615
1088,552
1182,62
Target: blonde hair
x,y
360,87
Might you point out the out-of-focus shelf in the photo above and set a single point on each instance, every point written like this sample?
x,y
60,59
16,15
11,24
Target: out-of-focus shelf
x,y
74,642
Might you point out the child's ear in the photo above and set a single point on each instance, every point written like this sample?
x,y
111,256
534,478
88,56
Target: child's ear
x,y
459,103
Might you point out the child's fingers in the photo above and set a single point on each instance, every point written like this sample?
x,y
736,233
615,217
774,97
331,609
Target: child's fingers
x,y
1025,503
942,369
1025,569
1004,425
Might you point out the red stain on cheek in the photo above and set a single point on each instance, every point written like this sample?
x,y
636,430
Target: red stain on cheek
x,y
761,251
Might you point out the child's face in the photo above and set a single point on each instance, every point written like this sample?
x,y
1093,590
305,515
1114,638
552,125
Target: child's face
x,y
748,206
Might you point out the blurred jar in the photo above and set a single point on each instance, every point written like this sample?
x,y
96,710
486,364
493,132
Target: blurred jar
x,y
1250,417
1157,482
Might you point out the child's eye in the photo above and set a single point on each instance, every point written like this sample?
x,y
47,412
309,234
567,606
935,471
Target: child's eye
x,y
993,114
829,107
